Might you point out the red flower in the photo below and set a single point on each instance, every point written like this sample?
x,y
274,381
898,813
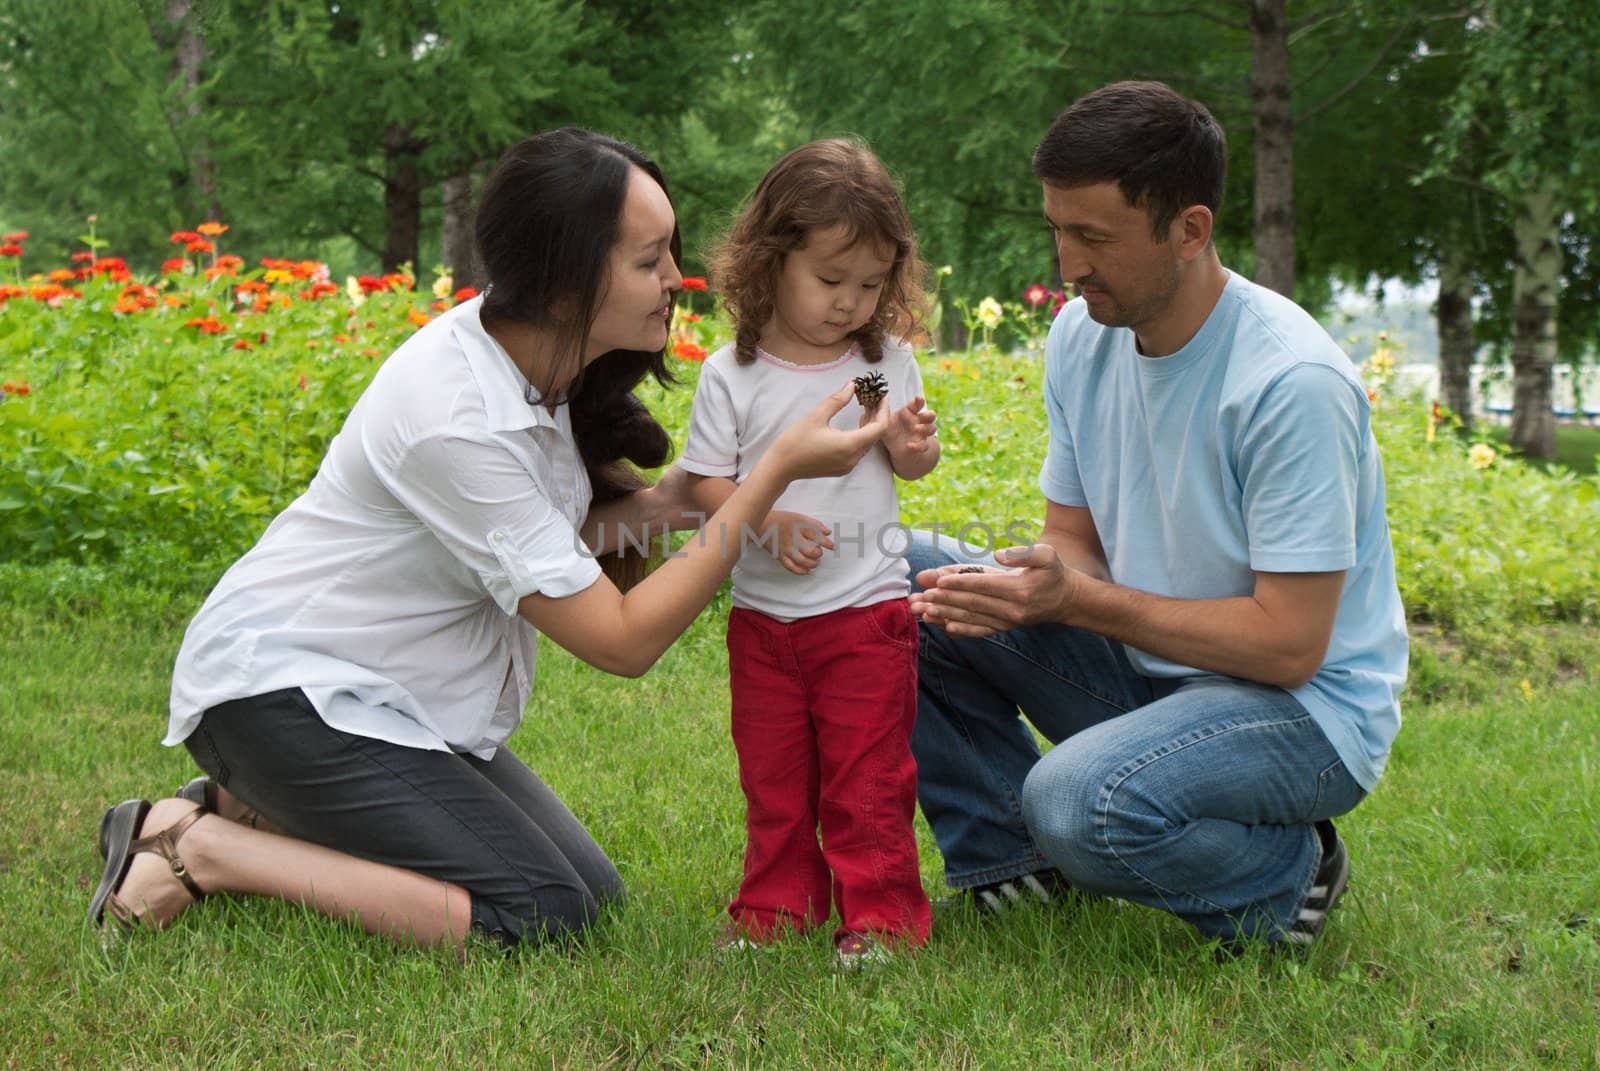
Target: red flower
x,y
302,383
1036,294
466,293
10,249
694,282
174,265
688,351
82,256
183,237
199,245
241,343
1058,298
14,236
210,325
370,284
20,387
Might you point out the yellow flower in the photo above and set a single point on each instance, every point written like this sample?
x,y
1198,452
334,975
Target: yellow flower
x,y
358,297
1527,690
1481,456
443,287
990,313
950,364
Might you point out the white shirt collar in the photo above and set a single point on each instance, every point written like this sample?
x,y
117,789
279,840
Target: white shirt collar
x,y
504,388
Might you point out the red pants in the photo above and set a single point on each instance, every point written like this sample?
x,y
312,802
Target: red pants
x,y
822,715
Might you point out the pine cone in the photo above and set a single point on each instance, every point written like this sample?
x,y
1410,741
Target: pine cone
x,y
870,390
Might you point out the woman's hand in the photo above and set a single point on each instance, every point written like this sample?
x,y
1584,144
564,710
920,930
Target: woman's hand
x,y
809,447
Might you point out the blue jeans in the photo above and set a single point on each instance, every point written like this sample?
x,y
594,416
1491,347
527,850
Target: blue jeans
x,y
1196,796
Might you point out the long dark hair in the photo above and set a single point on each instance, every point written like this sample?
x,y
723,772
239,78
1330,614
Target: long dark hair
x,y
546,225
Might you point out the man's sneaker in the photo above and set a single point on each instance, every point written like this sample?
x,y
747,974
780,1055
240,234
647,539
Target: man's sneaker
x,y
1330,882
857,950
1039,887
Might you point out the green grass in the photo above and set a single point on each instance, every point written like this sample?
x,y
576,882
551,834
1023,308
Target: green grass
x,y
1460,944
1577,445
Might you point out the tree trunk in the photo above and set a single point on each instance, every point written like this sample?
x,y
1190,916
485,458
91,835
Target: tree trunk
x,y
402,198
1456,346
1274,146
188,54
459,247
1533,332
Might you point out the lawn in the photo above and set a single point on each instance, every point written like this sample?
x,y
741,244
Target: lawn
x,y
1466,941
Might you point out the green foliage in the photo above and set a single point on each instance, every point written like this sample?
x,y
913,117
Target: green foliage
x,y
1504,542
147,426
139,428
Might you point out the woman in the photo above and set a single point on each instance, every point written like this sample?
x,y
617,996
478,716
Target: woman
x,y
353,678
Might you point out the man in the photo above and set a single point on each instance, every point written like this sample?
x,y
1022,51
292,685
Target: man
x,y
1208,628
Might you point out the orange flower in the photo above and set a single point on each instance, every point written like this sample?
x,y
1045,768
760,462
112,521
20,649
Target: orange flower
x,y
211,230
14,236
694,282
81,256
418,317
302,383
241,344
174,265
688,351
19,387
62,275
251,286
690,317
210,325
317,290
200,245
183,237
466,293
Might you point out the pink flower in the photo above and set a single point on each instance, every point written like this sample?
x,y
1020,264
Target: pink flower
x,y
1036,294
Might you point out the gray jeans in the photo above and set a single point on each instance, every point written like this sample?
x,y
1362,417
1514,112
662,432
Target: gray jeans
x,y
492,828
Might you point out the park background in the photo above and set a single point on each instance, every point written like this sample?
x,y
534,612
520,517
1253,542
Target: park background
x,y
216,218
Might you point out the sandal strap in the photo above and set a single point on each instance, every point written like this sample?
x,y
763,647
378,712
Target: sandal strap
x,y
165,844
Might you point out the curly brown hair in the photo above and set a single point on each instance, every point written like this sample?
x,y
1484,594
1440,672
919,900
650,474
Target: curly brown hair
x,y
837,182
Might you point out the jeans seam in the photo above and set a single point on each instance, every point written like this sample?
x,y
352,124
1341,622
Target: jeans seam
x,y
998,641
1144,762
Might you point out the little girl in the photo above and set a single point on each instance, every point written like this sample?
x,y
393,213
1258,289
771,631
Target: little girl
x,y
821,276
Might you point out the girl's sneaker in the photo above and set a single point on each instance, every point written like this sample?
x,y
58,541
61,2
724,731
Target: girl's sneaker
x,y
857,950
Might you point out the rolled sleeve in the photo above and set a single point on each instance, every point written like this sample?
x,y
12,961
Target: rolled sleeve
x,y
491,513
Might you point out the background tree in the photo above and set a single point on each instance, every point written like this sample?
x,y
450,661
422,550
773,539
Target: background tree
x,y
1527,97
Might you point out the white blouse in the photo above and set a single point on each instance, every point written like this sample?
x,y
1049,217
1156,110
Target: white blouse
x,y
388,591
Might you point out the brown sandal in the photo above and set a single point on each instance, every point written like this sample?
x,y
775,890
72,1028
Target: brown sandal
x,y
121,824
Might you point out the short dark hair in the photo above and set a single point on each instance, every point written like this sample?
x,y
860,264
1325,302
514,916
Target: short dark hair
x,y
546,225
1163,150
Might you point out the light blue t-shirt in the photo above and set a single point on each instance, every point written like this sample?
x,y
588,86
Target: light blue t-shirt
x,y
1250,449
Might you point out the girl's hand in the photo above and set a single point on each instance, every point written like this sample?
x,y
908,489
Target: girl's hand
x,y
810,448
911,427
800,540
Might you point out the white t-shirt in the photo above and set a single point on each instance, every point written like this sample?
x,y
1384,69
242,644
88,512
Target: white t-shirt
x,y
388,591
740,410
